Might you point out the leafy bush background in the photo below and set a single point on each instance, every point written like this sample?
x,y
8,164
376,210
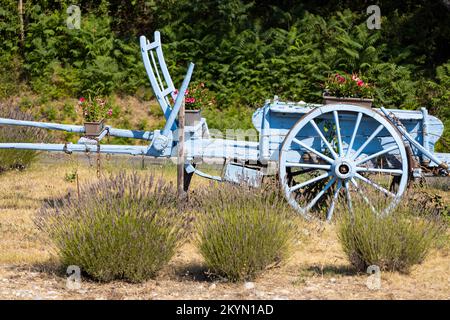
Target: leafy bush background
x,y
245,51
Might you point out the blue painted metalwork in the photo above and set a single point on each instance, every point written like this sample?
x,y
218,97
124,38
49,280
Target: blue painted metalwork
x,y
423,149
343,144
241,174
190,169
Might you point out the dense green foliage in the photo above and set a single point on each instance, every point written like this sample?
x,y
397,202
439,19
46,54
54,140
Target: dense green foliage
x,y
245,51
242,232
122,227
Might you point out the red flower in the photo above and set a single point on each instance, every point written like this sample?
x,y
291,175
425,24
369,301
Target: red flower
x,y
110,112
190,100
81,100
360,83
339,78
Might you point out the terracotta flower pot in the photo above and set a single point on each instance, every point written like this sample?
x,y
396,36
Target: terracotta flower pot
x,y
192,117
93,129
355,101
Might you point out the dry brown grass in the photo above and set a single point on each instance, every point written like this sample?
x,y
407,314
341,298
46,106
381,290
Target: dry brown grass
x,y
318,268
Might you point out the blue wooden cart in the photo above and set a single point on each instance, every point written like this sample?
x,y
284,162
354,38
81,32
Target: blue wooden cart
x,y
322,154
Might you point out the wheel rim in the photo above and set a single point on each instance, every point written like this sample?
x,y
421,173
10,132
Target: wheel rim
x,y
342,167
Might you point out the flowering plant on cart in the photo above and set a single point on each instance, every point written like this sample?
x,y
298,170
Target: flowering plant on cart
x,y
95,109
349,86
198,96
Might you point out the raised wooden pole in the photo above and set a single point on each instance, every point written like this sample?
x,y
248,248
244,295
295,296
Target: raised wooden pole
x,y
180,155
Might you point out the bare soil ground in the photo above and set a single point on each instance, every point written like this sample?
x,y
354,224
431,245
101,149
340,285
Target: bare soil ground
x,y
318,269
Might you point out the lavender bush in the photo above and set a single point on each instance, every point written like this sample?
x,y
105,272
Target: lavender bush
x,y
242,231
394,242
122,227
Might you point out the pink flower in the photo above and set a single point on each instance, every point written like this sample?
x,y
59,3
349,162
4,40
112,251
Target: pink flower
x,y
360,83
175,92
110,112
190,100
81,100
339,78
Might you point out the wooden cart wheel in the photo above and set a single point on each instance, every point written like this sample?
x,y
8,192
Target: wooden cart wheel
x,y
338,152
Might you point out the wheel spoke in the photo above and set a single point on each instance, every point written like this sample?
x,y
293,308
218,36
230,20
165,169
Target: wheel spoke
x,y
366,200
308,165
333,201
373,135
320,194
376,154
373,184
296,173
313,123
308,182
338,131
349,198
301,144
358,121
390,171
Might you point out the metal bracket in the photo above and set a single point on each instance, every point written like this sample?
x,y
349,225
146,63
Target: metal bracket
x,y
161,145
65,150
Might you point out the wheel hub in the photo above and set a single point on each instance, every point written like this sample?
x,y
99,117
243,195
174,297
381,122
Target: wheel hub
x,y
344,169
